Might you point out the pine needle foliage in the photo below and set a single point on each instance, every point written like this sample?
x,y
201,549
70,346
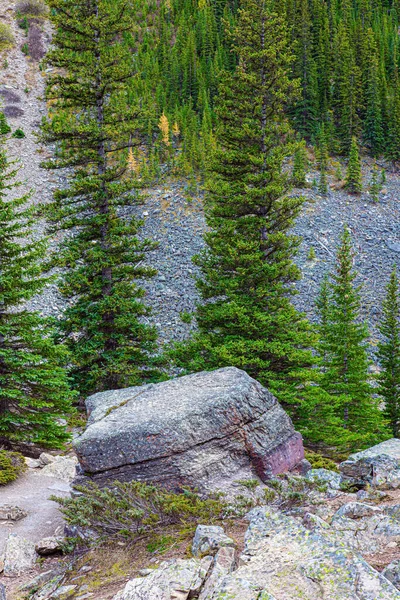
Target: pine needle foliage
x,y
246,318
93,122
389,354
353,177
341,410
34,390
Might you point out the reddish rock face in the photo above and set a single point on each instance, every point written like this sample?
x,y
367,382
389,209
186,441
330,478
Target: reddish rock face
x,y
205,430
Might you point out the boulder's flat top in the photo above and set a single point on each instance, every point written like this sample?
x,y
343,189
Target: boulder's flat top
x,y
389,447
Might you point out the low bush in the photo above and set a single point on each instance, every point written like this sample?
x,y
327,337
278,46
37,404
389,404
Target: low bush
x,y
320,462
12,465
135,509
31,8
35,44
4,126
18,133
6,36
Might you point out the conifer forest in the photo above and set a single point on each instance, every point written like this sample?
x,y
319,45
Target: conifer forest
x,y
262,110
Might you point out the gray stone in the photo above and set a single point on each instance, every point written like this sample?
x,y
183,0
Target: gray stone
x,y
331,478
177,579
392,572
19,556
33,463
357,510
282,559
206,430
208,539
312,522
64,592
49,545
3,595
39,580
44,593
62,467
224,563
378,466
11,513
46,458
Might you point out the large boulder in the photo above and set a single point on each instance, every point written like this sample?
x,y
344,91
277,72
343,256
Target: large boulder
x,y
205,430
283,560
378,466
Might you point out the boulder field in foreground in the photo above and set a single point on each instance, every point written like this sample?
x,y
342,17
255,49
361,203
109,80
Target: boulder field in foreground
x,y
205,430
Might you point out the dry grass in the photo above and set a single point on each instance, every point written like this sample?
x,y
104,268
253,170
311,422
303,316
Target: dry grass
x,y
6,36
31,8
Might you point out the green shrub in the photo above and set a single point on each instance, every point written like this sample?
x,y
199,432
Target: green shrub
x,y
320,462
6,36
4,126
133,509
25,49
12,465
31,8
18,133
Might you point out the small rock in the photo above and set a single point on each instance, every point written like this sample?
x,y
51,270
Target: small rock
x,y
357,510
331,478
2,592
63,593
314,522
208,539
19,555
46,459
49,545
39,580
33,463
392,573
62,467
11,513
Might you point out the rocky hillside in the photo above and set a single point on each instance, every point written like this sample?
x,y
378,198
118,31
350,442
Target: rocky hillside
x,y
174,216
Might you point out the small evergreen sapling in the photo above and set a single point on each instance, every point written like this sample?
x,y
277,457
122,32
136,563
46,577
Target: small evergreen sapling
x,y
353,177
375,185
300,167
389,354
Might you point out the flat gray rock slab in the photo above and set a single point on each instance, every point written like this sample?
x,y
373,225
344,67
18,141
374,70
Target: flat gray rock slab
x,y
378,466
31,493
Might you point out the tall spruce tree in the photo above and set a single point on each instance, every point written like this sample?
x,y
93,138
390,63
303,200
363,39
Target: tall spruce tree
x,y
389,354
344,391
93,121
246,318
34,391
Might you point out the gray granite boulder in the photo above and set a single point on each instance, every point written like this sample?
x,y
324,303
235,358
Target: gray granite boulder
x,y
176,579
208,539
324,476
283,560
19,555
378,466
205,430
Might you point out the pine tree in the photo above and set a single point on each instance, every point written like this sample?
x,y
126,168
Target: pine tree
x,y
322,157
373,123
353,177
344,390
93,123
389,354
375,184
246,318
34,390
300,164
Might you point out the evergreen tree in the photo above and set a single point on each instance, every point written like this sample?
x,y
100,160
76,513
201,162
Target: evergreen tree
x,y
375,184
344,391
93,122
246,318
353,177
322,157
373,123
389,354
300,164
34,390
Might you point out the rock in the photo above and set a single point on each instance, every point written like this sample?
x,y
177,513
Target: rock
x,y
49,545
19,555
63,467
63,593
176,579
46,459
11,513
39,580
206,430
45,592
392,573
378,466
33,463
312,522
208,539
331,478
3,595
224,563
372,495
283,560
357,510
